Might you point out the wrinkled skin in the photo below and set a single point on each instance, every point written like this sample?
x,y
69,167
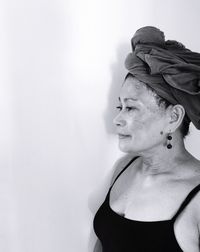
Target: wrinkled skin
x,y
141,119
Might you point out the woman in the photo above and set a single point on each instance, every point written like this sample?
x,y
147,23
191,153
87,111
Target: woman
x,y
154,202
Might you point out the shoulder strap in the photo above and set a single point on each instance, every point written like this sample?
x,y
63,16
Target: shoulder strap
x,y
129,163
187,200
126,166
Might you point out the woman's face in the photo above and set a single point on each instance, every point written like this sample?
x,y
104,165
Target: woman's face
x,y
140,122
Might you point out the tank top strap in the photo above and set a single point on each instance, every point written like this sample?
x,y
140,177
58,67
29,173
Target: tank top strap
x,y
126,166
187,200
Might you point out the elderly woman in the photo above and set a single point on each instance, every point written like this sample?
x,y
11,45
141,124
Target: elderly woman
x,y
154,202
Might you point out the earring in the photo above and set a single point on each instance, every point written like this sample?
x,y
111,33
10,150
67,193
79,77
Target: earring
x,y
169,138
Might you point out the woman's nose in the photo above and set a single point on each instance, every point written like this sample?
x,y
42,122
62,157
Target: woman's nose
x,y
119,120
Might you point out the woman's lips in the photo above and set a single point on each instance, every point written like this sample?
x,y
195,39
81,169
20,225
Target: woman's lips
x,y
122,136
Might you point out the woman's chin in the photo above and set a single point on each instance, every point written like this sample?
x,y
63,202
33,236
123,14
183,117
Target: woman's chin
x,y
124,147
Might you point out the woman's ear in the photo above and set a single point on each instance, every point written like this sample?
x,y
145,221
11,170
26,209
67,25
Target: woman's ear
x,y
176,115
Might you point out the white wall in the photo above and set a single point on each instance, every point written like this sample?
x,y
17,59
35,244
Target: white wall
x,y
61,70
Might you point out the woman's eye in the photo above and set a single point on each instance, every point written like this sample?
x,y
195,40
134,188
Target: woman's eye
x,y
127,108
130,108
119,108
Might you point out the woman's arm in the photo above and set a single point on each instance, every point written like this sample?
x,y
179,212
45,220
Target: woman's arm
x,y
98,247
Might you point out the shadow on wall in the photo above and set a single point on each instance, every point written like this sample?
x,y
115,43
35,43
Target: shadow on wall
x,y
118,73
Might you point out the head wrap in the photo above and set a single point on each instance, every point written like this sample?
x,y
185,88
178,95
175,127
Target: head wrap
x,y
172,70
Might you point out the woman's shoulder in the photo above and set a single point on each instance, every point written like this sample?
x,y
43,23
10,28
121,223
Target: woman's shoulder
x,y
193,179
193,168
195,198
120,164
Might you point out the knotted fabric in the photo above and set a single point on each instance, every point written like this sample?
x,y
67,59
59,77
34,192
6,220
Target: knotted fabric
x,y
172,70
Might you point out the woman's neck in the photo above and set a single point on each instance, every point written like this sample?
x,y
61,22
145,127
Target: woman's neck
x,y
161,160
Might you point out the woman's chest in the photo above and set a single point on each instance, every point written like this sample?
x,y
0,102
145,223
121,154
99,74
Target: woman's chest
x,y
156,205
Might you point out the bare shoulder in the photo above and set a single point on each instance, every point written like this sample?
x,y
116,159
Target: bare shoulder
x,y
196,204
194,167
120,164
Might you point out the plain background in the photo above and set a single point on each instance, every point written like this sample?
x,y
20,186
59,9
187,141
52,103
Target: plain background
x,y
61,68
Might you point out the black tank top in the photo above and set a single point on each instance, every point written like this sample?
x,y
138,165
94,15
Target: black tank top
x,y
119,234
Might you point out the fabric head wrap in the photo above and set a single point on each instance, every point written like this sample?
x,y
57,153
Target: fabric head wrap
x,y
172,70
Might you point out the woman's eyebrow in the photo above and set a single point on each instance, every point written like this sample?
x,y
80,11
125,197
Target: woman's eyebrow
x,y
128,99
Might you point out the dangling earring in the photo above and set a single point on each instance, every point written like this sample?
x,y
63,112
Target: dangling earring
x,y
169,138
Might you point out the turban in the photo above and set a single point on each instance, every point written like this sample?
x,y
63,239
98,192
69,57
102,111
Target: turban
x,y
172,70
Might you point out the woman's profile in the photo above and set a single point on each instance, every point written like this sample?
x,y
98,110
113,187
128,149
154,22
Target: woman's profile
x,y
153,204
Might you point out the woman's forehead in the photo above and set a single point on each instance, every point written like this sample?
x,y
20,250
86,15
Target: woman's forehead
x,y
137,91
133,88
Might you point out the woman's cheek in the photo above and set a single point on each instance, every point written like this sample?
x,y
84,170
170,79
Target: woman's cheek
x,y
137,125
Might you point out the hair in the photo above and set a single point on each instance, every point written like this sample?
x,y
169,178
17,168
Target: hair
x,y
161,102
